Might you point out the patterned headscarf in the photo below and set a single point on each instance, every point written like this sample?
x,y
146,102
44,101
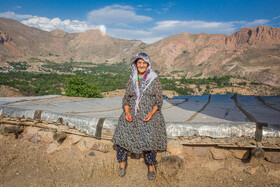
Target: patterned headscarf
x,y
148,77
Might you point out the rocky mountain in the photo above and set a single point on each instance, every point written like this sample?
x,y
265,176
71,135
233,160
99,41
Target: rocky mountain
x,y
91,46
250,52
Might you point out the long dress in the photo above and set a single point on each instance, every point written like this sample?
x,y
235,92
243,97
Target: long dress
x,y
138,136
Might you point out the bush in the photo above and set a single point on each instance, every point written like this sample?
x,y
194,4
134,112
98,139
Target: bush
x,y
77,87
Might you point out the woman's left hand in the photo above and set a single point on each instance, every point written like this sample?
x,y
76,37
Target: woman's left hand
x,y
148,117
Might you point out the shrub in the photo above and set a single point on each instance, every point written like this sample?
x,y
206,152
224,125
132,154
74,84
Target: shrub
x,y
78,87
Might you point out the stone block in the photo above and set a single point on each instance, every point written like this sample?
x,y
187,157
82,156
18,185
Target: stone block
x,y
200,151
218,154
242,154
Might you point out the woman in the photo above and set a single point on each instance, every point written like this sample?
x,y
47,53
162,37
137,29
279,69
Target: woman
x,y
141,127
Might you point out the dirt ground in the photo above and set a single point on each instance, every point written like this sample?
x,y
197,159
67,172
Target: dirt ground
x,y
29,163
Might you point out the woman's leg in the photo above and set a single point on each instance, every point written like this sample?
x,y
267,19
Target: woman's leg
x,y
150,157
122,157
121,154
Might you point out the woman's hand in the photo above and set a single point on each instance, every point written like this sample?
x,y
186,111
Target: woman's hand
x,y
127,113
150,115
128,117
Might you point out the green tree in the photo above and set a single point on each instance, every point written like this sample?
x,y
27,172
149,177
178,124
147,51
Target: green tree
x,y
78,87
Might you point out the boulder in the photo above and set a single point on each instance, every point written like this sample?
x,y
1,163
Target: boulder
x,y
273,157
242,154
59,136
6,129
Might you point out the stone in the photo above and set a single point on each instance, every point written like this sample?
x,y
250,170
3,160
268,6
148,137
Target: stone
x,y
81,146
5,129
100,147
46,136
74,139
175,148
97,145
251,170
59,136
200,151
218,154
258,152
88,142
53,147
35,139
91,154
242,154
188,150
273,157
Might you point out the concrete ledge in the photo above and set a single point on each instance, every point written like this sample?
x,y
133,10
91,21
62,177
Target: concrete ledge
x,y
174,129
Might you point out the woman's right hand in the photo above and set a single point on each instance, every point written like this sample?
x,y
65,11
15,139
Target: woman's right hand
x,y
127,113
128,117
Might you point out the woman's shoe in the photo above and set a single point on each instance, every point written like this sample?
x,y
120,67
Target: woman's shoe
x,y
122,171
152,174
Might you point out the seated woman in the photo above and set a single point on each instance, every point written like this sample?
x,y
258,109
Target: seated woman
x,y
141,127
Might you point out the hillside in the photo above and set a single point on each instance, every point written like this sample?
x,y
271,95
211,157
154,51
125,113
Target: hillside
x,y
253,53
20,42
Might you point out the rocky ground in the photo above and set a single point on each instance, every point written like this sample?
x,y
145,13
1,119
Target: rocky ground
x,y
36,153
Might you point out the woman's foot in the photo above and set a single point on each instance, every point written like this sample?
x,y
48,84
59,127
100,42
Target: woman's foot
x,y
152,172
122,169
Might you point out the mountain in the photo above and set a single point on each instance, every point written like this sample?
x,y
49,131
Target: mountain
x,y
20,42
253,53
250,52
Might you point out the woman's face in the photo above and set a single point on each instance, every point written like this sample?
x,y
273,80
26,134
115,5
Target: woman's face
x,y
141,66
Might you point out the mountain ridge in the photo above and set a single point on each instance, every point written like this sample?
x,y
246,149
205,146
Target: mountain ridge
x,y
251,52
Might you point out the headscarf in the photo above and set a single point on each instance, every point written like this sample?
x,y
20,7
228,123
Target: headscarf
x,y
148,77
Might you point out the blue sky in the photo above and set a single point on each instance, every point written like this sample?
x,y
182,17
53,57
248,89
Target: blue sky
x,y
148,21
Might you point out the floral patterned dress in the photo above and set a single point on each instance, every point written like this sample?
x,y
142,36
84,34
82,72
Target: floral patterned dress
x,y
138,136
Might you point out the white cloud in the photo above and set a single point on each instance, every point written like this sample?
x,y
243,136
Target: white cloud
x,y
116,15
18,7
276,17
13,15
257,22
65,25
175,27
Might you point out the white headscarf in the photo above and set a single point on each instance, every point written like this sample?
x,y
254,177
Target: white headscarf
x,y
148,77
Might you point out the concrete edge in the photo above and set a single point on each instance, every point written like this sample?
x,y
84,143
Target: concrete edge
x,y
174,129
